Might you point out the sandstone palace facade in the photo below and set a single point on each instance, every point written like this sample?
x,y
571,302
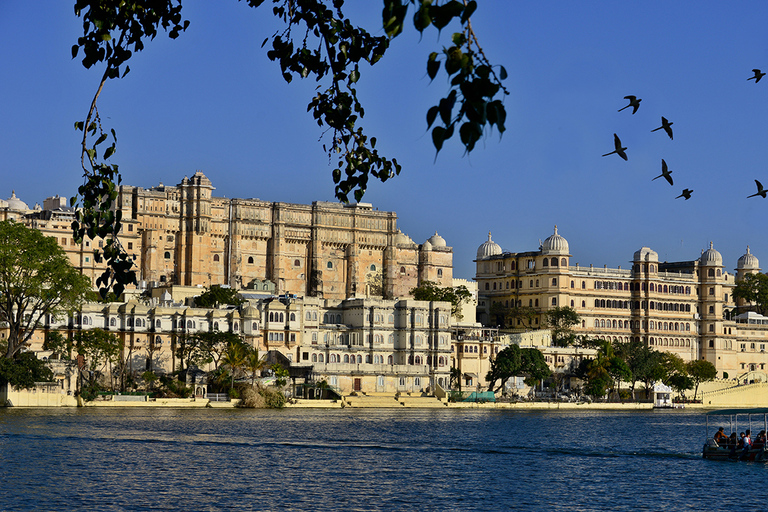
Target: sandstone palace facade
x,y
185,235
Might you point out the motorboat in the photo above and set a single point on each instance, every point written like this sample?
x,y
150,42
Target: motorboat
x,y
729,449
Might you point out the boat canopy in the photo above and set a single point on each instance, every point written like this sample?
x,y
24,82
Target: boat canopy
x,y
730,412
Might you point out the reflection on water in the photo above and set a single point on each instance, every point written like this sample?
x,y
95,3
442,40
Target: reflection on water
x,y
168,459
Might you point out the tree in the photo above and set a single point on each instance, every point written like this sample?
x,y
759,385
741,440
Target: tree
x,y
561,319
533,366
505,365
99,349
201,348
639,358
254,363
457,296
680,383
24,370
700,370
217,295
36,279
753,289
235,358
318,42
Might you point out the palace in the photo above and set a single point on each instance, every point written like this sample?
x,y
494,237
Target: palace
x,y
686,308
184,235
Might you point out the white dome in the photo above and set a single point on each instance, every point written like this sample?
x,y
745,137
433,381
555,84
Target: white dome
x,y
16,204
555,244
711,257
402,239
748,262
437,241
426,246
488,249
646,254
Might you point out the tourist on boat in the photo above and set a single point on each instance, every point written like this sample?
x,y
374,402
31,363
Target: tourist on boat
x,y
742,437
759,440
747,445
720,436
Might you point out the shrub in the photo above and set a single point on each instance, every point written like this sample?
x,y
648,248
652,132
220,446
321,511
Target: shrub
x,y
261,398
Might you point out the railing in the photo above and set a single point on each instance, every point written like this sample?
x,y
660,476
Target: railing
x,y
218,397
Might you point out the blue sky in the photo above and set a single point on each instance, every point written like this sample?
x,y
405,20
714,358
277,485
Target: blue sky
x,y
212,101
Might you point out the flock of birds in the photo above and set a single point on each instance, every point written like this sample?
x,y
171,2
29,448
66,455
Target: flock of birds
x,y
666,125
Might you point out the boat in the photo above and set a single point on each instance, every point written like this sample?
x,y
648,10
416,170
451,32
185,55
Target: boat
x,y
728,450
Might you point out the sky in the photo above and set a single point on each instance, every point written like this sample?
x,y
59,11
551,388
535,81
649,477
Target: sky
x,y
212,101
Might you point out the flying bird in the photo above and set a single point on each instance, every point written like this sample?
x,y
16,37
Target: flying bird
x,y
619,150
686,194
758,75
666,125
760,191
634,102
665,173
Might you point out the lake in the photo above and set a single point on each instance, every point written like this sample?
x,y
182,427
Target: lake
x,y
365,459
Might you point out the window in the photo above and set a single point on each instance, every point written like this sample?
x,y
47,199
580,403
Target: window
x,y
329,265
215,257
250,260
296,263
554,281
167,255
130,245
402,271
439,272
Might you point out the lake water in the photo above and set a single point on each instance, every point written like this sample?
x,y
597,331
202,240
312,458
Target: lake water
x,y
371,459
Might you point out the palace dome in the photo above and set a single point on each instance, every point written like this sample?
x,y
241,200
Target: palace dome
x,y
16,204
645,254
555,244
426,246
748,262
402,239
711,257
488,249
437,241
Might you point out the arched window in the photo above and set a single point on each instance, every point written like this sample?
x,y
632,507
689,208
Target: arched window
x,y
402,271
167,255
563,262
554,281
129,322
189,324
597,323
296,263
215,326
583,285
554,262
554,301
314,358
157,324
373,268
112,321
215,257
389,360
346,358
293,317
250,260
329,265
359,359
545,263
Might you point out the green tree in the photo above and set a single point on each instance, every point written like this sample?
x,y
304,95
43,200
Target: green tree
x,y
319,42
561,320
217,295
700,370
506,364
36,279
753,289
254,363
533,367
455,378
100,350
680,383
639,358
58,344
457,296
24,370
235,357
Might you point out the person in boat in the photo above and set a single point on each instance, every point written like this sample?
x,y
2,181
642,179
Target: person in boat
x,y
740,444
759,440
747,444
720,436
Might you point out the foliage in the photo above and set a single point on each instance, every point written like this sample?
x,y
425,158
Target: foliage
x,y
514,361
281,375
680,383
504,366
23,370
99,348
202,348
217,295
36,279
429,291
261,398
254,363
753,289
58,344
149,377
235,358
319,42
561,319
174,388
700,371
455,378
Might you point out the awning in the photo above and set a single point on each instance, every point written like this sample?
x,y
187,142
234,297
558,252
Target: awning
x,y
470,375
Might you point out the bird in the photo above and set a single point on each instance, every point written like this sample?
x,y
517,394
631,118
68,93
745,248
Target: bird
x,y
666,125
760,191
686,194
619,150
758,75
664,172
634,102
